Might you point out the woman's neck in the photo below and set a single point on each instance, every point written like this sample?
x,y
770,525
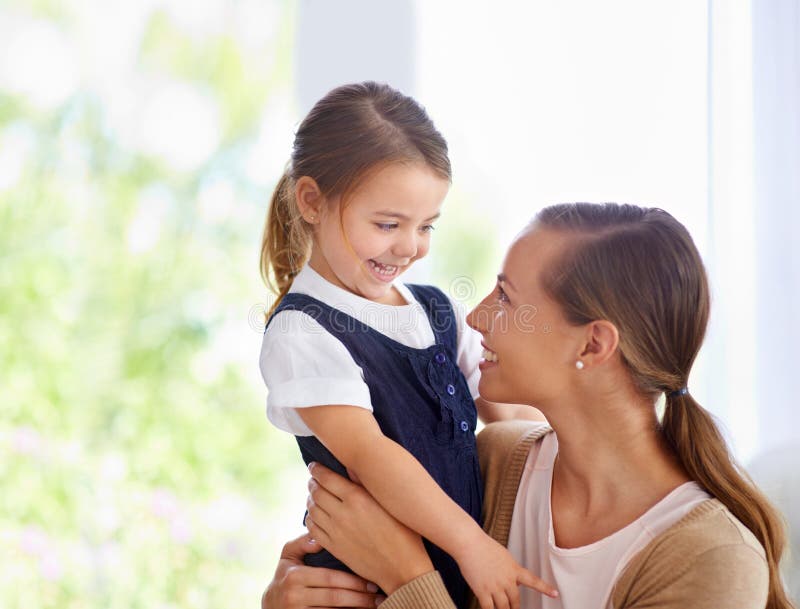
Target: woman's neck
x,y
612,466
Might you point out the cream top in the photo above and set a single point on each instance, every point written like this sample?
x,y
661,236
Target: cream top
x,y
532,542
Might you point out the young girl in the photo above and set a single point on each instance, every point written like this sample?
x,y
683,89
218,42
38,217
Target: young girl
x,y
374,377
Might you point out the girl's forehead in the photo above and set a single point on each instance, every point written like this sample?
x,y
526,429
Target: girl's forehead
x,y
401,186
396,174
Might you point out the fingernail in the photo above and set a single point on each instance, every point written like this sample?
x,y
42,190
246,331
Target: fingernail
x,y
311,466
311,540
554,594
371,587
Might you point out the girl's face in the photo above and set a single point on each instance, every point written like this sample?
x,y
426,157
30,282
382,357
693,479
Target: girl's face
x,y
384,227
530,348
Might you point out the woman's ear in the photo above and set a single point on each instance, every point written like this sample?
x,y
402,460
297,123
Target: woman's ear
x,y
602,341
309,199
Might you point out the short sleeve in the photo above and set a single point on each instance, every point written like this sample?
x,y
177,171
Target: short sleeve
x,y
303,365
469,350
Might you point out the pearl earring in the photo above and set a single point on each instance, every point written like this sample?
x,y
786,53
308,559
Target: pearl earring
x,y
579,365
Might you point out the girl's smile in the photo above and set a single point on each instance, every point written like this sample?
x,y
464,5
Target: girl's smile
x,y
384,272
366,242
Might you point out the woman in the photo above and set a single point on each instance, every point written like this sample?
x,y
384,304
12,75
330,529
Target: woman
x,y
599,309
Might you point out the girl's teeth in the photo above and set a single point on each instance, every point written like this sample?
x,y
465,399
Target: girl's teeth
x,y
489,356
383,269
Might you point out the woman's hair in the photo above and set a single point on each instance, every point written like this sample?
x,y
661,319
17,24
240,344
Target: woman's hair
x,y
352,131
639,269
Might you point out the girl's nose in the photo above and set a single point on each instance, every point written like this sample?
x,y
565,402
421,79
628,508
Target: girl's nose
x,y
406,245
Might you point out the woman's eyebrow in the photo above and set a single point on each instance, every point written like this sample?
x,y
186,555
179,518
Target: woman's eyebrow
x,y
501,278
399,216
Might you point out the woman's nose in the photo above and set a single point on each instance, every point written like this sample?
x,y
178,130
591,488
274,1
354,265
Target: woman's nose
x,y
476,319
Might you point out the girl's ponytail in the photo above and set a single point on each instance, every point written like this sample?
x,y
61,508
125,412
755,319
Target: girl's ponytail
x,y
693,435
286,241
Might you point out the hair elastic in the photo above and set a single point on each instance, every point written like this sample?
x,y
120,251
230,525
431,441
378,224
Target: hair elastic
x,y
678,392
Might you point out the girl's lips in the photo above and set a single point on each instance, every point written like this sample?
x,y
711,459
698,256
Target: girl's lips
x,y
375,269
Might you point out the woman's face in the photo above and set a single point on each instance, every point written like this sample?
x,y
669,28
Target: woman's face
x,y
530,349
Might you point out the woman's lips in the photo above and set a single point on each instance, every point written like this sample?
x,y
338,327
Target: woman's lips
x,y
489,359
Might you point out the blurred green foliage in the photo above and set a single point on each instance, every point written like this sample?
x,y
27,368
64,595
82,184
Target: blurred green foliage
x,y
138,467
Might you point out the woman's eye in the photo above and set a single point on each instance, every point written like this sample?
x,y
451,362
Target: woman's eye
x,y
386,227
501,294
427,228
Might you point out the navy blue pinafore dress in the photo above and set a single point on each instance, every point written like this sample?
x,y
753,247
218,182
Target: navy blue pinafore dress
x,y
420,399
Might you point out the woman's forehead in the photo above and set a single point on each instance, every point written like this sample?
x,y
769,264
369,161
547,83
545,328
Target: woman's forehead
x,y
532,251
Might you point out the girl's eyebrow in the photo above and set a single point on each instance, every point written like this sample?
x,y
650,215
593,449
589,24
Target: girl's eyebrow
x,y
501,278
399,216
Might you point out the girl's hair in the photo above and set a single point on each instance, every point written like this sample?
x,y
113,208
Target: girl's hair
x,y
639,269
354,130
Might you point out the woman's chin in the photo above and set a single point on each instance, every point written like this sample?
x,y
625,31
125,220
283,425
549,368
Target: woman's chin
x,y
492,394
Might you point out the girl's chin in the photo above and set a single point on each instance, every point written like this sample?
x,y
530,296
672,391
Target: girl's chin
x,y
376,293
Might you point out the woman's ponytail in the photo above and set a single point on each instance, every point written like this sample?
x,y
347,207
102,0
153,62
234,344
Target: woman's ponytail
x,y
286,241
639,268
693,435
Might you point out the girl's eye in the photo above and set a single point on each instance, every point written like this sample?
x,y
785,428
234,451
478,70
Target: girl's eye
x,y
501,294
387,227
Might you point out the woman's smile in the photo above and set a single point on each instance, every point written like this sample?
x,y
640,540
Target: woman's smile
x,y
489,359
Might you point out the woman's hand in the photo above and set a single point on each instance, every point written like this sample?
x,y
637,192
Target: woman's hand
x,y
297,586
349,523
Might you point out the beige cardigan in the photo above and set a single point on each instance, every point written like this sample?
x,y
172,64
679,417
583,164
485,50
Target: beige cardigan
x,y
707,560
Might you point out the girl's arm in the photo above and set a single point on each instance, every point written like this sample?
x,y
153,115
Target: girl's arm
x,y
405,489
490,412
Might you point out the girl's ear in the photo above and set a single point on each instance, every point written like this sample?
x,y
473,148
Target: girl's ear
x,y
601,342
309,199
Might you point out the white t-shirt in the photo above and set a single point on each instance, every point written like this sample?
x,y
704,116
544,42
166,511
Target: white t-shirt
x,y
584,576
304,365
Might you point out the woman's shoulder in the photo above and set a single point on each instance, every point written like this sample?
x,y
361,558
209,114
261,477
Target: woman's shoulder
x,y
709,554
709,525
503,449
500,441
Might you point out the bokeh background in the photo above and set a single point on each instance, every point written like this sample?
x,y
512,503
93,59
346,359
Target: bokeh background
x,y
139,145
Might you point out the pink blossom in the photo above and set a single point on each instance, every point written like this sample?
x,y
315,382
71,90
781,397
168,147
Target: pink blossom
x,y
34,541
26,441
